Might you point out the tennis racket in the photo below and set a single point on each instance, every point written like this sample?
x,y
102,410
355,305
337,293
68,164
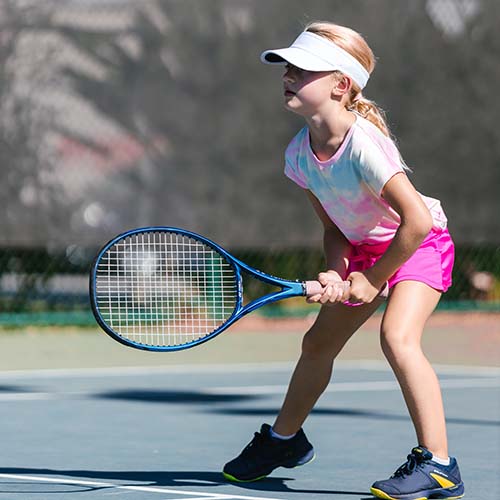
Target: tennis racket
x,y
165,289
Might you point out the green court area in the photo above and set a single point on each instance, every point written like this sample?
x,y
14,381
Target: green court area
x,y
450,338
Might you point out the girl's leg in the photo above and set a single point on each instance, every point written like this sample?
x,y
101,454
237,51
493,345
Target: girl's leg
x,y
331,330
322,343
410,305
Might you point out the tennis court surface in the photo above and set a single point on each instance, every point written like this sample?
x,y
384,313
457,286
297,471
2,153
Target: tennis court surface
x,y
84,417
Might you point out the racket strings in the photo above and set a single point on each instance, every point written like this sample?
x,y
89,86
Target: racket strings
x,y
164,288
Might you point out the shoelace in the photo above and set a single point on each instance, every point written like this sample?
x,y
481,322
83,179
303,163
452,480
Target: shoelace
x,y
258,438
409,466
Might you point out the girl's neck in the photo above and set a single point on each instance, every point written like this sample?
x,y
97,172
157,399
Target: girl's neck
x,y
328,132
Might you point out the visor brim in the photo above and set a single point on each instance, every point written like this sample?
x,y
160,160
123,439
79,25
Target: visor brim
x,y
296,57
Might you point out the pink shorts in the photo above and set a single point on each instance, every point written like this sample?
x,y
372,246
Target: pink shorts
x,y
432,262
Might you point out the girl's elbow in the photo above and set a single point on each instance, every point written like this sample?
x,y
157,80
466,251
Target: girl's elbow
x,y
424,224
420,224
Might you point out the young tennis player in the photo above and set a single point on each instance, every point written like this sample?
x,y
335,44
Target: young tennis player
x,y
378,231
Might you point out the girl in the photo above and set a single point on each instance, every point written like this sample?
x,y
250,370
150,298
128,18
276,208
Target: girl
x,y
377,229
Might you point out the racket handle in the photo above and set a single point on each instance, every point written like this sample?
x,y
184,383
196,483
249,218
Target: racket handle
x,y
315,287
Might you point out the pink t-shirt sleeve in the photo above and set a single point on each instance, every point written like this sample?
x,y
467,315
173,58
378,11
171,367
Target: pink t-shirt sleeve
x,y
379,161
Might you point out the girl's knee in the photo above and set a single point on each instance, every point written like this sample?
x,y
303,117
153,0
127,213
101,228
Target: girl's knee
x,y
311,344
398,344
333,327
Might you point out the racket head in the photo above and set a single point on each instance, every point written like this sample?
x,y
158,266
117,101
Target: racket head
x,y
164,289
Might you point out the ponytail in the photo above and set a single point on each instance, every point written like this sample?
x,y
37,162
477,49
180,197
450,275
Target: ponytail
x,y
369,110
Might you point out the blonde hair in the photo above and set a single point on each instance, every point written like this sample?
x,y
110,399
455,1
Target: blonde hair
x,y
353,43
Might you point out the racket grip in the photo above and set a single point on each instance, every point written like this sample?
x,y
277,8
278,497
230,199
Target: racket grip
x,y
315,287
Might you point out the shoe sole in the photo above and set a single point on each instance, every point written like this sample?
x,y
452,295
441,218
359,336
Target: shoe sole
x,y
236,480
303,461
381,494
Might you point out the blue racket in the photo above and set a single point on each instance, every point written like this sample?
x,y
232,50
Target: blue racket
x,y
165,289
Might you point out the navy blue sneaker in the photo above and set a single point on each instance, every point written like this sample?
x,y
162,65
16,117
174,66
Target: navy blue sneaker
x,y
264,454
421,479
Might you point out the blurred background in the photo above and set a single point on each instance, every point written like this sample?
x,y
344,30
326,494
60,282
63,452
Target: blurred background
x,y
117,114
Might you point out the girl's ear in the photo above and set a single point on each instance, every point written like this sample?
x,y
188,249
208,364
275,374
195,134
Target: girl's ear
x,y
342,86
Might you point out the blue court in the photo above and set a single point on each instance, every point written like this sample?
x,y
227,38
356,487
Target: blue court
x,y
165,432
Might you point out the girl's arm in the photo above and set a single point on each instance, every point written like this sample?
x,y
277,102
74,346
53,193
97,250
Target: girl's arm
x,y
416,222
337,249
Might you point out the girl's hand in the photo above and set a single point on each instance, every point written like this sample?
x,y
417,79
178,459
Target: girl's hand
x,y
361,291
334,289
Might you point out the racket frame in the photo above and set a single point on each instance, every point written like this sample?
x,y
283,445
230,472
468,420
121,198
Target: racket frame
x,y
288,288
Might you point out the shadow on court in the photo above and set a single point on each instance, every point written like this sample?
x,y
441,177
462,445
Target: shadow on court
x,y
198,397
194,397
177,479
164,396
13,388
345,412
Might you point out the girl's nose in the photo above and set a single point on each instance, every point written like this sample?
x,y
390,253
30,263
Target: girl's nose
x,y
288,75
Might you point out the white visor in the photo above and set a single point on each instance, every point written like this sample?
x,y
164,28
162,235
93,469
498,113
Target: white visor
x,y
315,53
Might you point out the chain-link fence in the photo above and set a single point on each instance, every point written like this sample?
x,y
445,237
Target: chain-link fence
x,y
50,287
121,114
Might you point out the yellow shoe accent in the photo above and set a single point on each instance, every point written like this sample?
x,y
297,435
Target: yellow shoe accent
x,y
236,480
443,482
380,494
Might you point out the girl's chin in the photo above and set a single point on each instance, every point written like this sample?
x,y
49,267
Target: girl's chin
x,y
291,103
293,107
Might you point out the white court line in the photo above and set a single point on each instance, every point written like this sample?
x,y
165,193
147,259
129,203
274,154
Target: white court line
x,y
375,365
219,497
27,396
387,385
150,489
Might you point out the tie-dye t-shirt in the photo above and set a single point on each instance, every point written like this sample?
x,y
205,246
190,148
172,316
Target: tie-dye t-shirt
x,y
349,184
